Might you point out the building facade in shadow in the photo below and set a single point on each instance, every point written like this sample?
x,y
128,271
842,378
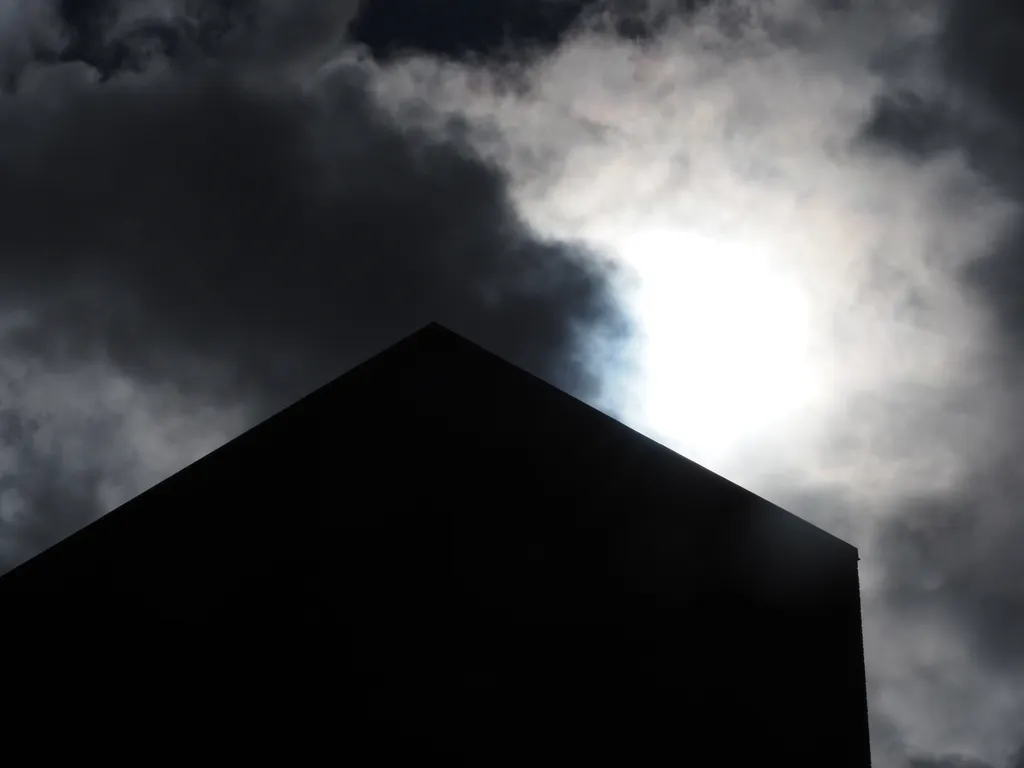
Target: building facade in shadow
x,y
438,557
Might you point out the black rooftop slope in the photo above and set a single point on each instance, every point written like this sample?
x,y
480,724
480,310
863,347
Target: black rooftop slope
x,y
440,558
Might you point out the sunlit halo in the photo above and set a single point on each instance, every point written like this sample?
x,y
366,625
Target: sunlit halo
x,y
723,346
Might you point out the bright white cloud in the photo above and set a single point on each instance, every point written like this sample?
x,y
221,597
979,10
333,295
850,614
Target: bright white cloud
x,y
723,341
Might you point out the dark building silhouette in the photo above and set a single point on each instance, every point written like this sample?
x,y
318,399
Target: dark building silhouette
x,y
439,558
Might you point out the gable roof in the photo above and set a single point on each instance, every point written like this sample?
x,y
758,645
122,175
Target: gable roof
x,y
441,392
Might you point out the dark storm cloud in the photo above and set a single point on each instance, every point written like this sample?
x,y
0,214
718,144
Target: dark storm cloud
x,y
244,226
202,215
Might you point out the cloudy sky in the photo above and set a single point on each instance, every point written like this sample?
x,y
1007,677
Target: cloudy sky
x,y
783,237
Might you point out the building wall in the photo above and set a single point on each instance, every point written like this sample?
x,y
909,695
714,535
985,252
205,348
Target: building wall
x,y
564,591
436,563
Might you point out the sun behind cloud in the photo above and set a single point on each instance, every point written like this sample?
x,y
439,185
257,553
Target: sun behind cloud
x,y
725,350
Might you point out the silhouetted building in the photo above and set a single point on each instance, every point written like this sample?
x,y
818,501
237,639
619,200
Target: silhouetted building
x,y
438,557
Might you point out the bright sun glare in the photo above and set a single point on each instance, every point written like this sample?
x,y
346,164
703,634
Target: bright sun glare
x,y
724,342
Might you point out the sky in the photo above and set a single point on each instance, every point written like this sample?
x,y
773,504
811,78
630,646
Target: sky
x,y
784,238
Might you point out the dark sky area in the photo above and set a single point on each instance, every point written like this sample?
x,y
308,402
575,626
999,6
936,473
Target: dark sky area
x,y
200,221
